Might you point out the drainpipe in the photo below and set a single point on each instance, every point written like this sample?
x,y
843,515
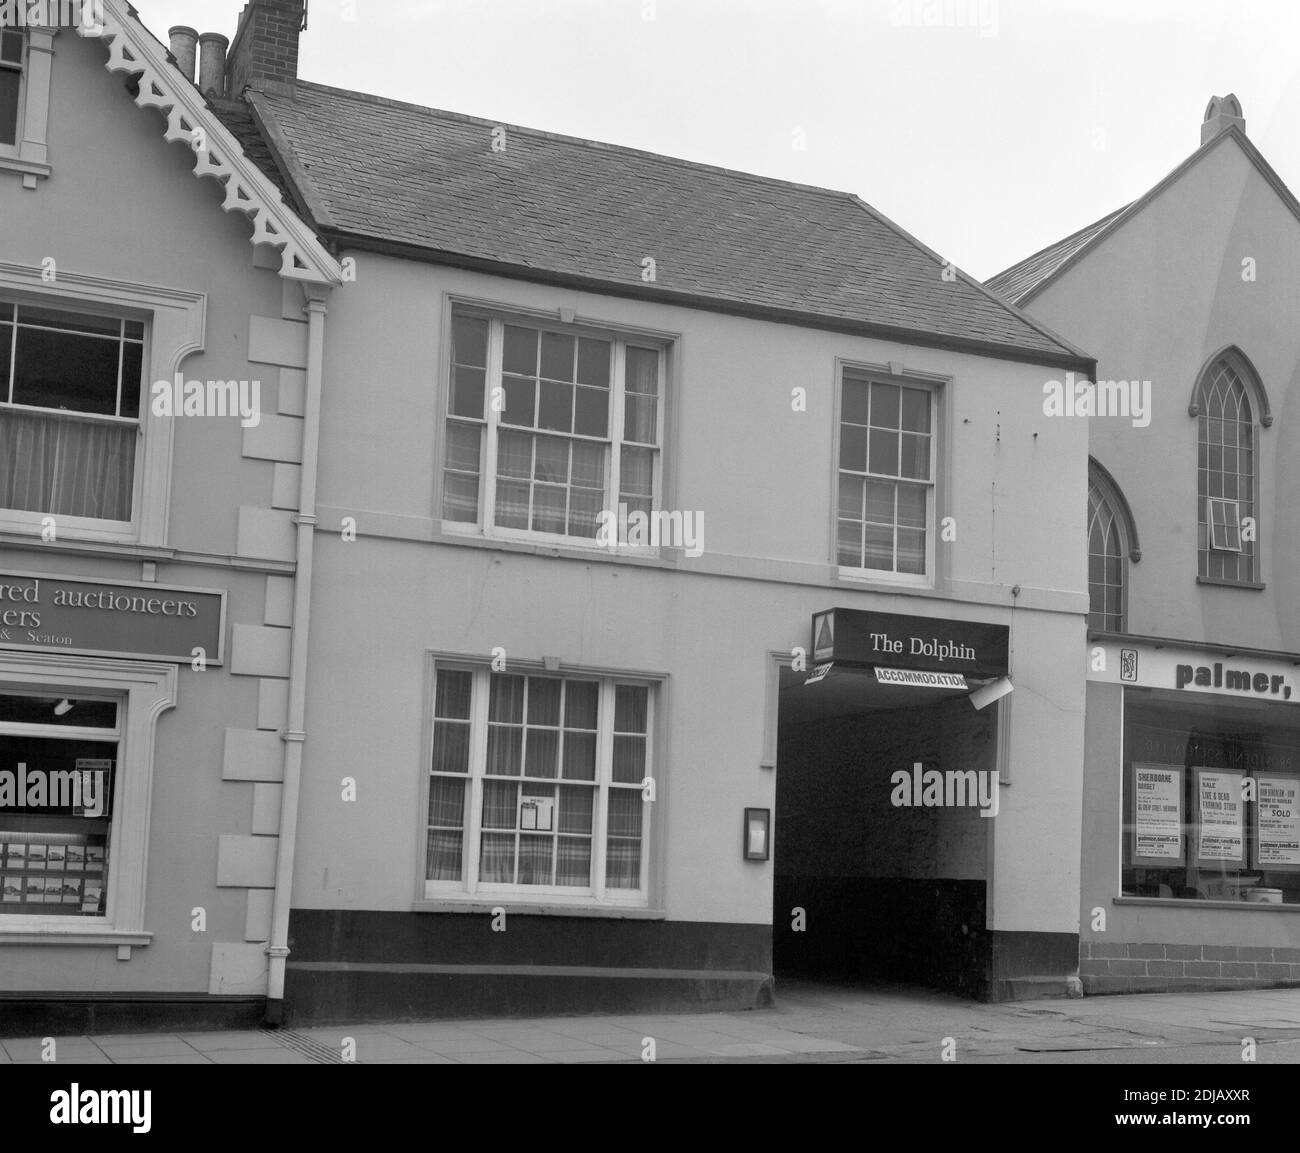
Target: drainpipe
x,y
294,736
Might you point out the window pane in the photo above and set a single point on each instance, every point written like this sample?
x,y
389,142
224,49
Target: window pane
x,y
70,467
640,419
580,756
520,401
543,749
549,509
593,362
469,337
911,550
580,703
573,864
850,497
911,506
61,370
500,804
916,457
884,405
512,505
556,408
11,47
9,85
39,710
467,392
589,465
849,544
853,448
515,455
520,352
463,441
629,760
557,356
883,457
447,802
452,697
878,548
450,747
552,460
132,374
880,502
916,410
630,708
444,855
591,417
535,853
544,701
575,809
506,701
637,472
642,371
497,866
584,512
855,401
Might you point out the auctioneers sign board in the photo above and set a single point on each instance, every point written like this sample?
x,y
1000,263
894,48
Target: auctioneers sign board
x,y
119,619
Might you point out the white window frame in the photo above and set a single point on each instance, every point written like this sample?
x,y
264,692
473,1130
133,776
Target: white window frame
x,y
934,387
1221,534
144,691
174,327
469,889
484,527
28,155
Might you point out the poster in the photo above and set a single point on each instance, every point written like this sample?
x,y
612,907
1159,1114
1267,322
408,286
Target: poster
x,y
1277,823
1221,832
1157,815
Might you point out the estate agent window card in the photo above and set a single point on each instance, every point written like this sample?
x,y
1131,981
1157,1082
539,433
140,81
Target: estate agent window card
x,y
1157,815
1221,818
1277,823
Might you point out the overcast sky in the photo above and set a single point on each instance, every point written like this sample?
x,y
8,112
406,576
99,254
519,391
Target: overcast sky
x,y
1002,127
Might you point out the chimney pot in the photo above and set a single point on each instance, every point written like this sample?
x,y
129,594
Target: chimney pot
x,y
1222,113
184,46
212,64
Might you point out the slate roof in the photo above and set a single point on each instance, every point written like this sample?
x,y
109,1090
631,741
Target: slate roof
x,y
1018,281
427,184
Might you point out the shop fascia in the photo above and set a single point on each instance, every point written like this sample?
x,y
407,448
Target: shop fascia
x,y
1254,676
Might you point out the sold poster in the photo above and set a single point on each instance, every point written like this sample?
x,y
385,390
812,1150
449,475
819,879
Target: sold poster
x,y
1222,833
1277,822
1157,815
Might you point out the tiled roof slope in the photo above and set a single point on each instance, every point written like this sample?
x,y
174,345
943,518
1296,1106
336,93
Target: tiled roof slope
x,y
426,182
1018,281
238,119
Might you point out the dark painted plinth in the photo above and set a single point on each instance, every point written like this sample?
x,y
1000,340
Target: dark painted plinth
x,y
347,966
73,1014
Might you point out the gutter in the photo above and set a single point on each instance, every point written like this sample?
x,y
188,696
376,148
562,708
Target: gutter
x,y
295,735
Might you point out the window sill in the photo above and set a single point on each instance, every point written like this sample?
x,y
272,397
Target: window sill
x,y
522,909
884,580
1189,903
663,557
1254,586
74,935
30,170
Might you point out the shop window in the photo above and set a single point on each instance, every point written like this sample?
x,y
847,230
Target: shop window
x,y
1211,800
58,776
538,786
11,85
1112,543
548,426
69,412
1227,464
886,478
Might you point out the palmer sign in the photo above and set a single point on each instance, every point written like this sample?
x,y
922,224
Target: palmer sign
x,y
100,618
887,641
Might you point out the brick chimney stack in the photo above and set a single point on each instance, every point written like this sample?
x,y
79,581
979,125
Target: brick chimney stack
x,y
265,49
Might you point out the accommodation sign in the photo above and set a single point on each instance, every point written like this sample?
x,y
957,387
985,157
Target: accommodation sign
x,y
888,641
99,618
